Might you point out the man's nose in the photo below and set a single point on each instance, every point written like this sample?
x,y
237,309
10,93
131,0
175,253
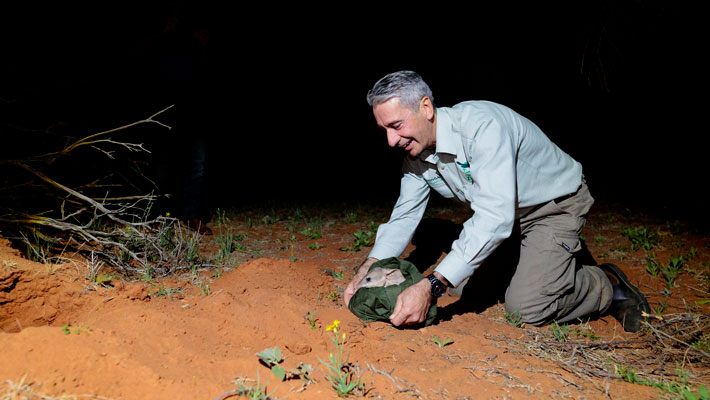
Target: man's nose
x,y
392,138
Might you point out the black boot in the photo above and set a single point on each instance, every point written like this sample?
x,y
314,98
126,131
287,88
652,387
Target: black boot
x,y
628,303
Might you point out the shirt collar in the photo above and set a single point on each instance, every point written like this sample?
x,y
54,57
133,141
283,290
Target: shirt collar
x,y
444,137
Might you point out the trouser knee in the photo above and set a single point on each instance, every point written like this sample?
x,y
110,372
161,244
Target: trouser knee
x,y
536,312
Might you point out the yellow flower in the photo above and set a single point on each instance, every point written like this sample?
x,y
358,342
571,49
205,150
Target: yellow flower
x,y
167,214
333,327
343,335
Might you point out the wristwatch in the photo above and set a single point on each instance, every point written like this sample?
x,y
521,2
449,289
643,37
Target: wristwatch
x,y
438,288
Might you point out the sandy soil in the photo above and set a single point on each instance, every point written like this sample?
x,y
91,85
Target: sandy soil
x,y
66,336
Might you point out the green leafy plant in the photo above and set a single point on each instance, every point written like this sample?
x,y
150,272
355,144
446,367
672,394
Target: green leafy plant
x,y
351,218
39,247
678,242
163,291
702,394
228,239
69,329
673,387
652,265
341,376
362,239
598,239
315,246
514,319
627,375
311,319
147,273
660,307
336,275
333,296
703,343
271,357
693,253
311,233
588,333
618,252
640,238
205,288
192,243
256,392
200,281
372,226
670,270
442,342
103,279
559,332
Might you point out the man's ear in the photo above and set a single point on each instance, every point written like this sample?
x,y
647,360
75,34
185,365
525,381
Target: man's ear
x,y
426,108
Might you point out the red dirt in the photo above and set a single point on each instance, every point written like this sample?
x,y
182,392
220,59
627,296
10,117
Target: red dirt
x,y
125,344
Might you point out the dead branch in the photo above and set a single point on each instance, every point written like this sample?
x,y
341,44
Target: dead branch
x,y
110,230
91,139
413,391
617,343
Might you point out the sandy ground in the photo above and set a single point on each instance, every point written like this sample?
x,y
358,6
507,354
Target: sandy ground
x,y
66,336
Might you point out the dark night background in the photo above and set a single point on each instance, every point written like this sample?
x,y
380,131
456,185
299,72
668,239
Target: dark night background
x,y
613,83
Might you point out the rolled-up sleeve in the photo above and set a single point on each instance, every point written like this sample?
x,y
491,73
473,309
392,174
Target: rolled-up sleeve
x,y
392,237
492,195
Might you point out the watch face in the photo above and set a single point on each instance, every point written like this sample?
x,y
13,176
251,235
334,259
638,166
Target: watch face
x,y
438,288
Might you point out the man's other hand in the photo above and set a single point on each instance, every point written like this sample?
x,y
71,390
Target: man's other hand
x,y
362,271
412,304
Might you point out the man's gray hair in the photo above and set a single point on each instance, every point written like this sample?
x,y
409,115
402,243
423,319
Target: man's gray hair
x,y
407,85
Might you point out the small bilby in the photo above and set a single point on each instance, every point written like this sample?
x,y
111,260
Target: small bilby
x,y
379,277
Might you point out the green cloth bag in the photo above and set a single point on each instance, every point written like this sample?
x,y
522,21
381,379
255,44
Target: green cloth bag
x,y
377,303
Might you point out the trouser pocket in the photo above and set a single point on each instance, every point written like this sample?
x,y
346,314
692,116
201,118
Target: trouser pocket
x,y
560,268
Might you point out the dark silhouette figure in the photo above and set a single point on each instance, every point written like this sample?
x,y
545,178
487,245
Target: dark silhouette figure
x,y
179,53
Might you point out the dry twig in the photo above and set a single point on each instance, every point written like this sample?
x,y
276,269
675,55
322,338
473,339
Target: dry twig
x,y
112,230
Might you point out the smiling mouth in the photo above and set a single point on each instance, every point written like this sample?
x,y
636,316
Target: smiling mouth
x,y
404,146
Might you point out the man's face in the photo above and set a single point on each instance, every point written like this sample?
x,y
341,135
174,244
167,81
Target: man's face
x,y
406,129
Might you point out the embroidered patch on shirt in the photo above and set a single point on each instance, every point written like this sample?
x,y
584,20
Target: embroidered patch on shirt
x,y
466,168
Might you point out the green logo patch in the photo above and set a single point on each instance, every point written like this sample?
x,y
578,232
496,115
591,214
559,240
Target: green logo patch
x,y
466,168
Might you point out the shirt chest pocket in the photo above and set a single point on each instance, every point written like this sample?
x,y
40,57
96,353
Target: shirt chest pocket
x,y
436,182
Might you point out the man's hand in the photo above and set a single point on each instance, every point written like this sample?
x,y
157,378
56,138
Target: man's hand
x,y
412,304
350,289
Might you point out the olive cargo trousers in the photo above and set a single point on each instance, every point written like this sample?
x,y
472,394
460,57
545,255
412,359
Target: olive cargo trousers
x,y
549,284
